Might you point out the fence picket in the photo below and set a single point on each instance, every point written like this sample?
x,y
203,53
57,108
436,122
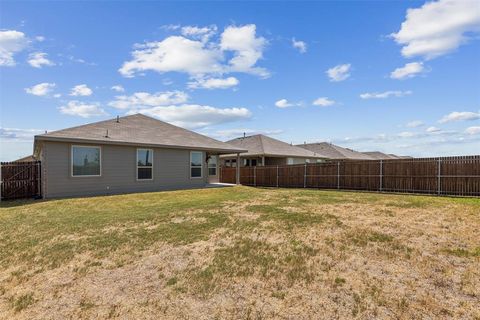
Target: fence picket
x,y
442,176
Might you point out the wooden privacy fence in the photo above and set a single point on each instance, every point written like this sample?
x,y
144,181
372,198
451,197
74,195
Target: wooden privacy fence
x,y
20,180
443,176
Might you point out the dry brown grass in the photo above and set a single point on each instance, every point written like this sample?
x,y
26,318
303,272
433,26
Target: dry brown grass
x,y
240,253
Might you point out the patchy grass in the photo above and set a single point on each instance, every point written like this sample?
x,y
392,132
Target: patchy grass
x,y
241,253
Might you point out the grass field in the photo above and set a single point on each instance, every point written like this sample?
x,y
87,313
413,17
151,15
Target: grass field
x,y
241,253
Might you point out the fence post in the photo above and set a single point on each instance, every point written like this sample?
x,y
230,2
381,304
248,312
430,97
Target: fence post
x,y
381,175
439,177
277,176
305,176
338,174
255,176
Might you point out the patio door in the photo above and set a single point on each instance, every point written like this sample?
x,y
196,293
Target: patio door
x,y
213,176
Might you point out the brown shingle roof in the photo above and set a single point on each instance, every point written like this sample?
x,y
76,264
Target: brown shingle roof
x,y
261,145
139,129
377,155
334,152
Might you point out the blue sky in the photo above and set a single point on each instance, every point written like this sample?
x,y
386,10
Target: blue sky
x,y
400,77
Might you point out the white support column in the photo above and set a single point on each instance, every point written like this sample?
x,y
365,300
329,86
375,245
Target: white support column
x,y
263,161
238,169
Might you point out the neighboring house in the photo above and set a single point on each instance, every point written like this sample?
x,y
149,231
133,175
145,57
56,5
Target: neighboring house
x,y
334,152
26,159
377,155
266,151
129,154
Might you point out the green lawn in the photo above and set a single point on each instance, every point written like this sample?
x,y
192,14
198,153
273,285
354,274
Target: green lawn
x,y
241,252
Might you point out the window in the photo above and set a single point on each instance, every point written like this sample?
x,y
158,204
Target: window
x,y
212,166
289,161
196,164
86,161
233,163
254,162
144,164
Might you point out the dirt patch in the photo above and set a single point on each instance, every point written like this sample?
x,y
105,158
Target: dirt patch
x,y
280,254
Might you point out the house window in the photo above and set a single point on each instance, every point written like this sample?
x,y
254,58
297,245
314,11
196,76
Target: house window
x,y
196,164
212,166
289,161
86,161
233,163
254,162
144,164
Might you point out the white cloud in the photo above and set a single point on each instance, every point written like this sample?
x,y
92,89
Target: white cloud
x,y
339,73
433,129
196,116
472,130
84,110
438,27
300,45
40,38
460,116
406,134
283,103
235,133
198,57
118,88
384,95
323,102
213,83
140,100
175,53
415,124
247,48
41,89
39,59
202,33
409,70
81,90
11,42
15,134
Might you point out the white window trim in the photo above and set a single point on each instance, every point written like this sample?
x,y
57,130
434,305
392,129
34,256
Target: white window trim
x,y
216,167
136,163
201,166
71,161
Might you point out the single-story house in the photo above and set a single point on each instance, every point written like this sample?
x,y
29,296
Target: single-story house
x,y
29,158
266,151
128,154
334,152
377,155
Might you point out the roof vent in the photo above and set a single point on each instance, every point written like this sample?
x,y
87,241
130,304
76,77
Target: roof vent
x,y
118,119
106,135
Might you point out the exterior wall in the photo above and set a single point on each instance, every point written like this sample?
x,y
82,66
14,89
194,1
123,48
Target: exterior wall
x,y
171,170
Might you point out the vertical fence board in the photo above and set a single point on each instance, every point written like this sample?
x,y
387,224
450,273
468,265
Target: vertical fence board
x,y
454,176
20,180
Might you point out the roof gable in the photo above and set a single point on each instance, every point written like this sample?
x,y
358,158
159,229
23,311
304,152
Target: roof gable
x,y
261,145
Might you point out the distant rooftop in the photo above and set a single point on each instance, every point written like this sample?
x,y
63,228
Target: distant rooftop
x,y
261,145
334,152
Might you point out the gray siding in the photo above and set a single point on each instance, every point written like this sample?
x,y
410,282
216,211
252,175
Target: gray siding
x,y
171,170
